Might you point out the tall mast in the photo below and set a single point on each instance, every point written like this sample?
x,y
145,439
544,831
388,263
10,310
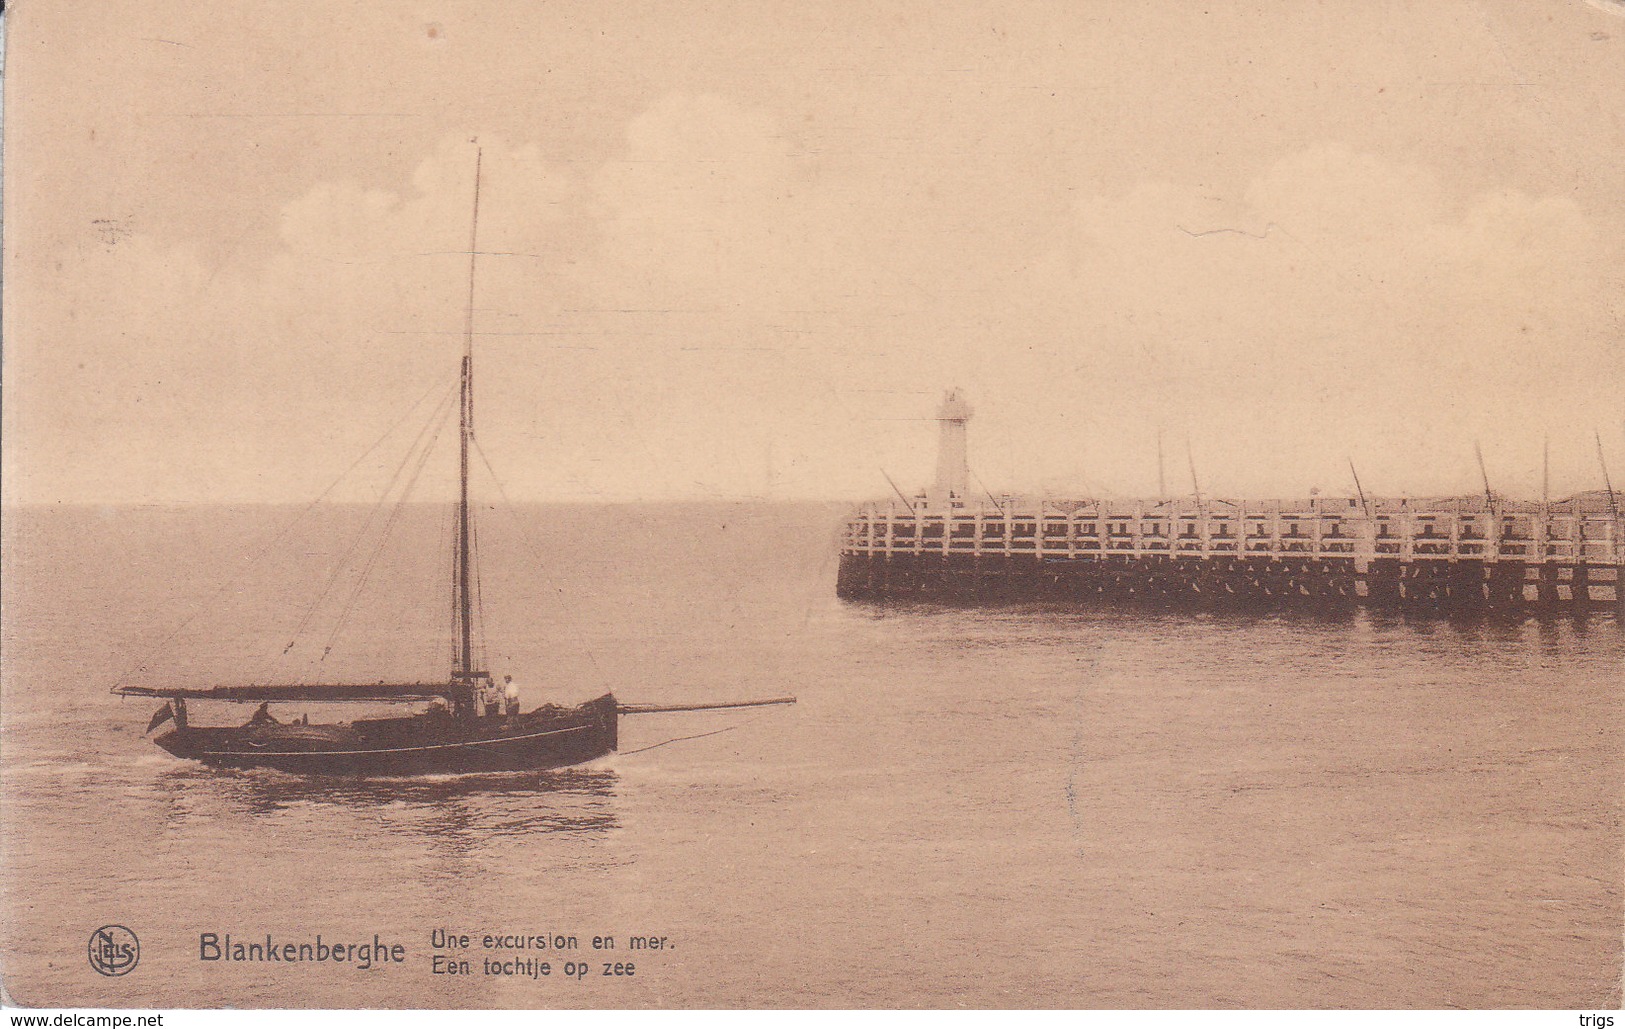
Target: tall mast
x,y
1196,487
465,599
1359,488
1546,470
1606,481
1162,480
1489,498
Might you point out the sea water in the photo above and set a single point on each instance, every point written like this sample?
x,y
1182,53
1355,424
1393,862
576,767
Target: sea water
x,y
967,807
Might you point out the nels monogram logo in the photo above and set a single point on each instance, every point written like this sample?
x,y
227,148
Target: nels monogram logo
x,y
114,950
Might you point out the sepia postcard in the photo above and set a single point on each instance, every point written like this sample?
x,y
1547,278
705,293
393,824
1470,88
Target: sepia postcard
x,y
1055,505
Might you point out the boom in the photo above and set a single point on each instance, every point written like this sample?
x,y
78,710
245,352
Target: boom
x,y
318,694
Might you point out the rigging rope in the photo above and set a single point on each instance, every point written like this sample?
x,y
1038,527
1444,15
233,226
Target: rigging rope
x,y
451,596
525,538
383,538
448,546
680,739
262,551
479,595
436,415
524,534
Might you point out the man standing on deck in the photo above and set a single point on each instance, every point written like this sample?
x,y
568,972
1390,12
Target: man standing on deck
x,y
490,699
510,695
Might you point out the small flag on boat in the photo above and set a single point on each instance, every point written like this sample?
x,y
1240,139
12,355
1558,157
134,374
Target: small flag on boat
x,y
163,715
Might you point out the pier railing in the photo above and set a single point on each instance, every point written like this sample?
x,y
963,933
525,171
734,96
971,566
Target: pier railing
x,y
1579,531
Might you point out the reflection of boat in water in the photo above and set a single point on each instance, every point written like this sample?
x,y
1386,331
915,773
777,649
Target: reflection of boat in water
x,y
451,816
562,799
471,724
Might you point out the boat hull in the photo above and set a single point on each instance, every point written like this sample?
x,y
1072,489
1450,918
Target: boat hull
x,y
549,737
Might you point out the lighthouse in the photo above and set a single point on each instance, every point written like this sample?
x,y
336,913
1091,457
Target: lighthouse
x,y
953,467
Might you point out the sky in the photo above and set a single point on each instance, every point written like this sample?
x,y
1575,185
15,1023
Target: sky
x,y
740,250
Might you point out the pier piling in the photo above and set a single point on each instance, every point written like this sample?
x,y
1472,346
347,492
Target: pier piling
x,y
1458,555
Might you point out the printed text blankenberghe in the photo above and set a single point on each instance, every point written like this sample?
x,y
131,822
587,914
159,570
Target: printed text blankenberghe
x,y
362,956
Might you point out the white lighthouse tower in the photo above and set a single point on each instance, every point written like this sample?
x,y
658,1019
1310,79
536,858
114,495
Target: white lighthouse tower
x,y
953,464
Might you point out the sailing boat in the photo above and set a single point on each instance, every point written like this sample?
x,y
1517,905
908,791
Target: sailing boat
x,y
471,724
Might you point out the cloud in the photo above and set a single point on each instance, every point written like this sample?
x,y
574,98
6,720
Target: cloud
x,y
1340,301
613,306
703,201
403,255
172,375
1318,238
714,306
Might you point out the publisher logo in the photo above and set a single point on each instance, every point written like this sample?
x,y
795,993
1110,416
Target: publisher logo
x,y
114,950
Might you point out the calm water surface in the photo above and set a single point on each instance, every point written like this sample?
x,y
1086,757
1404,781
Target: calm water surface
x,y
1011,807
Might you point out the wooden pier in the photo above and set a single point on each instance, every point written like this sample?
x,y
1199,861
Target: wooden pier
x,y
1458,554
